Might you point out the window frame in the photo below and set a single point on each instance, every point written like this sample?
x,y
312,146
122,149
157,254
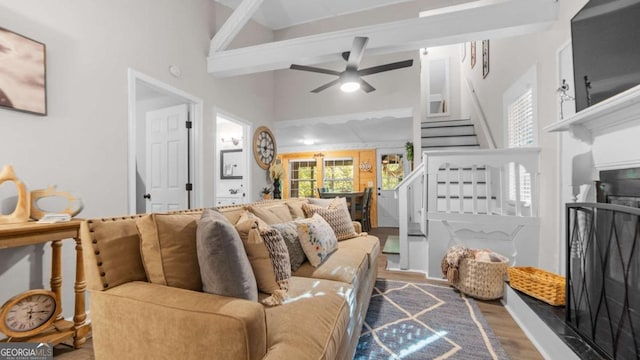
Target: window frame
x,y
325,180
314,182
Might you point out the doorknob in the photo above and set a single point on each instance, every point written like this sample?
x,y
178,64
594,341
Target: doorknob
x,y
147,196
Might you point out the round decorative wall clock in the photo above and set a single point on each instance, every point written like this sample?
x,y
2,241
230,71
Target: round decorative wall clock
x,y
264,147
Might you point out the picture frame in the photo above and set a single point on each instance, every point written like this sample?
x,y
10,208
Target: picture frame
x,y
230,164
23,85
485,58
473,54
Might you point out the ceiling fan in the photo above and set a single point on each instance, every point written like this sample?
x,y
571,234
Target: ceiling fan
x,y
351,78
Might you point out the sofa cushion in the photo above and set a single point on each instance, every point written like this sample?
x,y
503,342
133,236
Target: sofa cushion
x,y
368,243
317,238
224,265
337,218
114,245
320,202
295,207
269,258
168,249
344,265
313,323
289,232
275,214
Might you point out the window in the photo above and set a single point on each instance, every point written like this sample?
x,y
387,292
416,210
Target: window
x,y
303,178
520,114
392,171
338,175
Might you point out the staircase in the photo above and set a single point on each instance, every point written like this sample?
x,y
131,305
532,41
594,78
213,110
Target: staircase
x,y
449,135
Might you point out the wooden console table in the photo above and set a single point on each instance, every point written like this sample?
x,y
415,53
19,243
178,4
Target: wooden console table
x,y
31,233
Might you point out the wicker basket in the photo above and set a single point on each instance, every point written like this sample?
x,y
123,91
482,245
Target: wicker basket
x,y
482,280
539,284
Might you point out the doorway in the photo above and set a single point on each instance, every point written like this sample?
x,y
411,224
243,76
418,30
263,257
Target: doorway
x,y
165,147
233,175
390,172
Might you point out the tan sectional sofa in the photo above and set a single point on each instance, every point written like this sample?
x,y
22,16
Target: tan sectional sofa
x,y
135,319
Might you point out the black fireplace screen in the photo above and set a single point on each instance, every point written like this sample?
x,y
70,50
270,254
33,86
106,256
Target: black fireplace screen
x,y
603,277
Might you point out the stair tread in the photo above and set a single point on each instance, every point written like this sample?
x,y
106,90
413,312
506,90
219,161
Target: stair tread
x,y
458,183
445,126
446,146
392,245
465,197
443,121
447,136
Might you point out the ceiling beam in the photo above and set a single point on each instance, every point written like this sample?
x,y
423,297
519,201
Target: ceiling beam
x,y
233,25
487,19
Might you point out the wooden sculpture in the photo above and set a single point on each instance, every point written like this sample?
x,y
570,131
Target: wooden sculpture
x,y
74,205
21,212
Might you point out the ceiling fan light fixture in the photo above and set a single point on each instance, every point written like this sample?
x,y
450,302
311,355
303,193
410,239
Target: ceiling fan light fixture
x,y
350,86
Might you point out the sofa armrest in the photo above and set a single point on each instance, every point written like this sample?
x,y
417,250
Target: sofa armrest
x,y
139,320
357,226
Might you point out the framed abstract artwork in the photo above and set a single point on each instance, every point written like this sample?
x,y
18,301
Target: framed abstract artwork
x,y
473,54
23,79
485,58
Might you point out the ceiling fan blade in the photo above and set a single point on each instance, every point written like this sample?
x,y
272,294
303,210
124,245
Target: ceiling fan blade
x,y
366,87
385,67
326,86
357,50
314,69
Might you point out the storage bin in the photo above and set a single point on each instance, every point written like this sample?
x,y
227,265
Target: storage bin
x,y
538,283
481,279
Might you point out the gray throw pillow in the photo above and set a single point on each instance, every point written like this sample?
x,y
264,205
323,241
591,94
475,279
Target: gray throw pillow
x,y
289,232
224,265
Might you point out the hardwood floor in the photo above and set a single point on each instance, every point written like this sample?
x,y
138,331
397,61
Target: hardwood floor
x,y
513,340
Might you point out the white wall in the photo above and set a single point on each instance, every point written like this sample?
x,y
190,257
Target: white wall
x,y
510,58
82,144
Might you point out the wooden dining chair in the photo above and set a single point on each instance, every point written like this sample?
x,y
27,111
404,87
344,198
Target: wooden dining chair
x,y
364,209
322,190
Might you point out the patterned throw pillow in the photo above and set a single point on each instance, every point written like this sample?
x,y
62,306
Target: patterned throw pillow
x,y
317,238
269,259
337,217
289,232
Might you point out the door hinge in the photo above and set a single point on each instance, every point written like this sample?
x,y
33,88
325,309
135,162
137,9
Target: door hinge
x,y
189,186
189,124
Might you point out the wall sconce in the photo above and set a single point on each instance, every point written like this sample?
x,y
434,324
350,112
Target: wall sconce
x,y
234,141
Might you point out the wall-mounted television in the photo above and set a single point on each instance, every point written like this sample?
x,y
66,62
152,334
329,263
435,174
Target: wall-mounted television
x,y
606,50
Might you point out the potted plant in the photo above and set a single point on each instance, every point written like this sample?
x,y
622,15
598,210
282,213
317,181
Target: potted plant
x,y
409,149
266,191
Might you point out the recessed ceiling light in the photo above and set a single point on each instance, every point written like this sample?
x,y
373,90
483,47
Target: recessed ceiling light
x,y
308,142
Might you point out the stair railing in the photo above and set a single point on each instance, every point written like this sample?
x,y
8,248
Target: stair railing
x,y
489,182
482,119
408,192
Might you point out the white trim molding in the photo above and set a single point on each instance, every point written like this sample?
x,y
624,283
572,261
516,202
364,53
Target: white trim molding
x,y
399,113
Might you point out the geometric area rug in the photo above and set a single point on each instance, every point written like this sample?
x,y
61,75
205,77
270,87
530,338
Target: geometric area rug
x,y
424,321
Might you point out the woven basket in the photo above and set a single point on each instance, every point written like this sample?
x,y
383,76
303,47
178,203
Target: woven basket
x,y
482,280
539,284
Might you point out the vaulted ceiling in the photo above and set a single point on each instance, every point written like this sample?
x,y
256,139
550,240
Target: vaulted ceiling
x,y
312,32
466,21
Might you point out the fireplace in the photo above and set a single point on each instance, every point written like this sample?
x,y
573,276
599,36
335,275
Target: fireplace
x,y
603,266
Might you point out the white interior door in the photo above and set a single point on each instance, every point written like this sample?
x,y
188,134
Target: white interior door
x,y
166,159
390,173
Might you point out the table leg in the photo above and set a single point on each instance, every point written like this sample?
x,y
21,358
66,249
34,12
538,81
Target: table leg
x,y
80,286
56,271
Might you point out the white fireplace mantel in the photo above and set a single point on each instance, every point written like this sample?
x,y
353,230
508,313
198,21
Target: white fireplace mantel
x,y
616,112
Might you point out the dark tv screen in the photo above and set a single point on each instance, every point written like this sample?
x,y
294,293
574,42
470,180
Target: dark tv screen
x,y
606,50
